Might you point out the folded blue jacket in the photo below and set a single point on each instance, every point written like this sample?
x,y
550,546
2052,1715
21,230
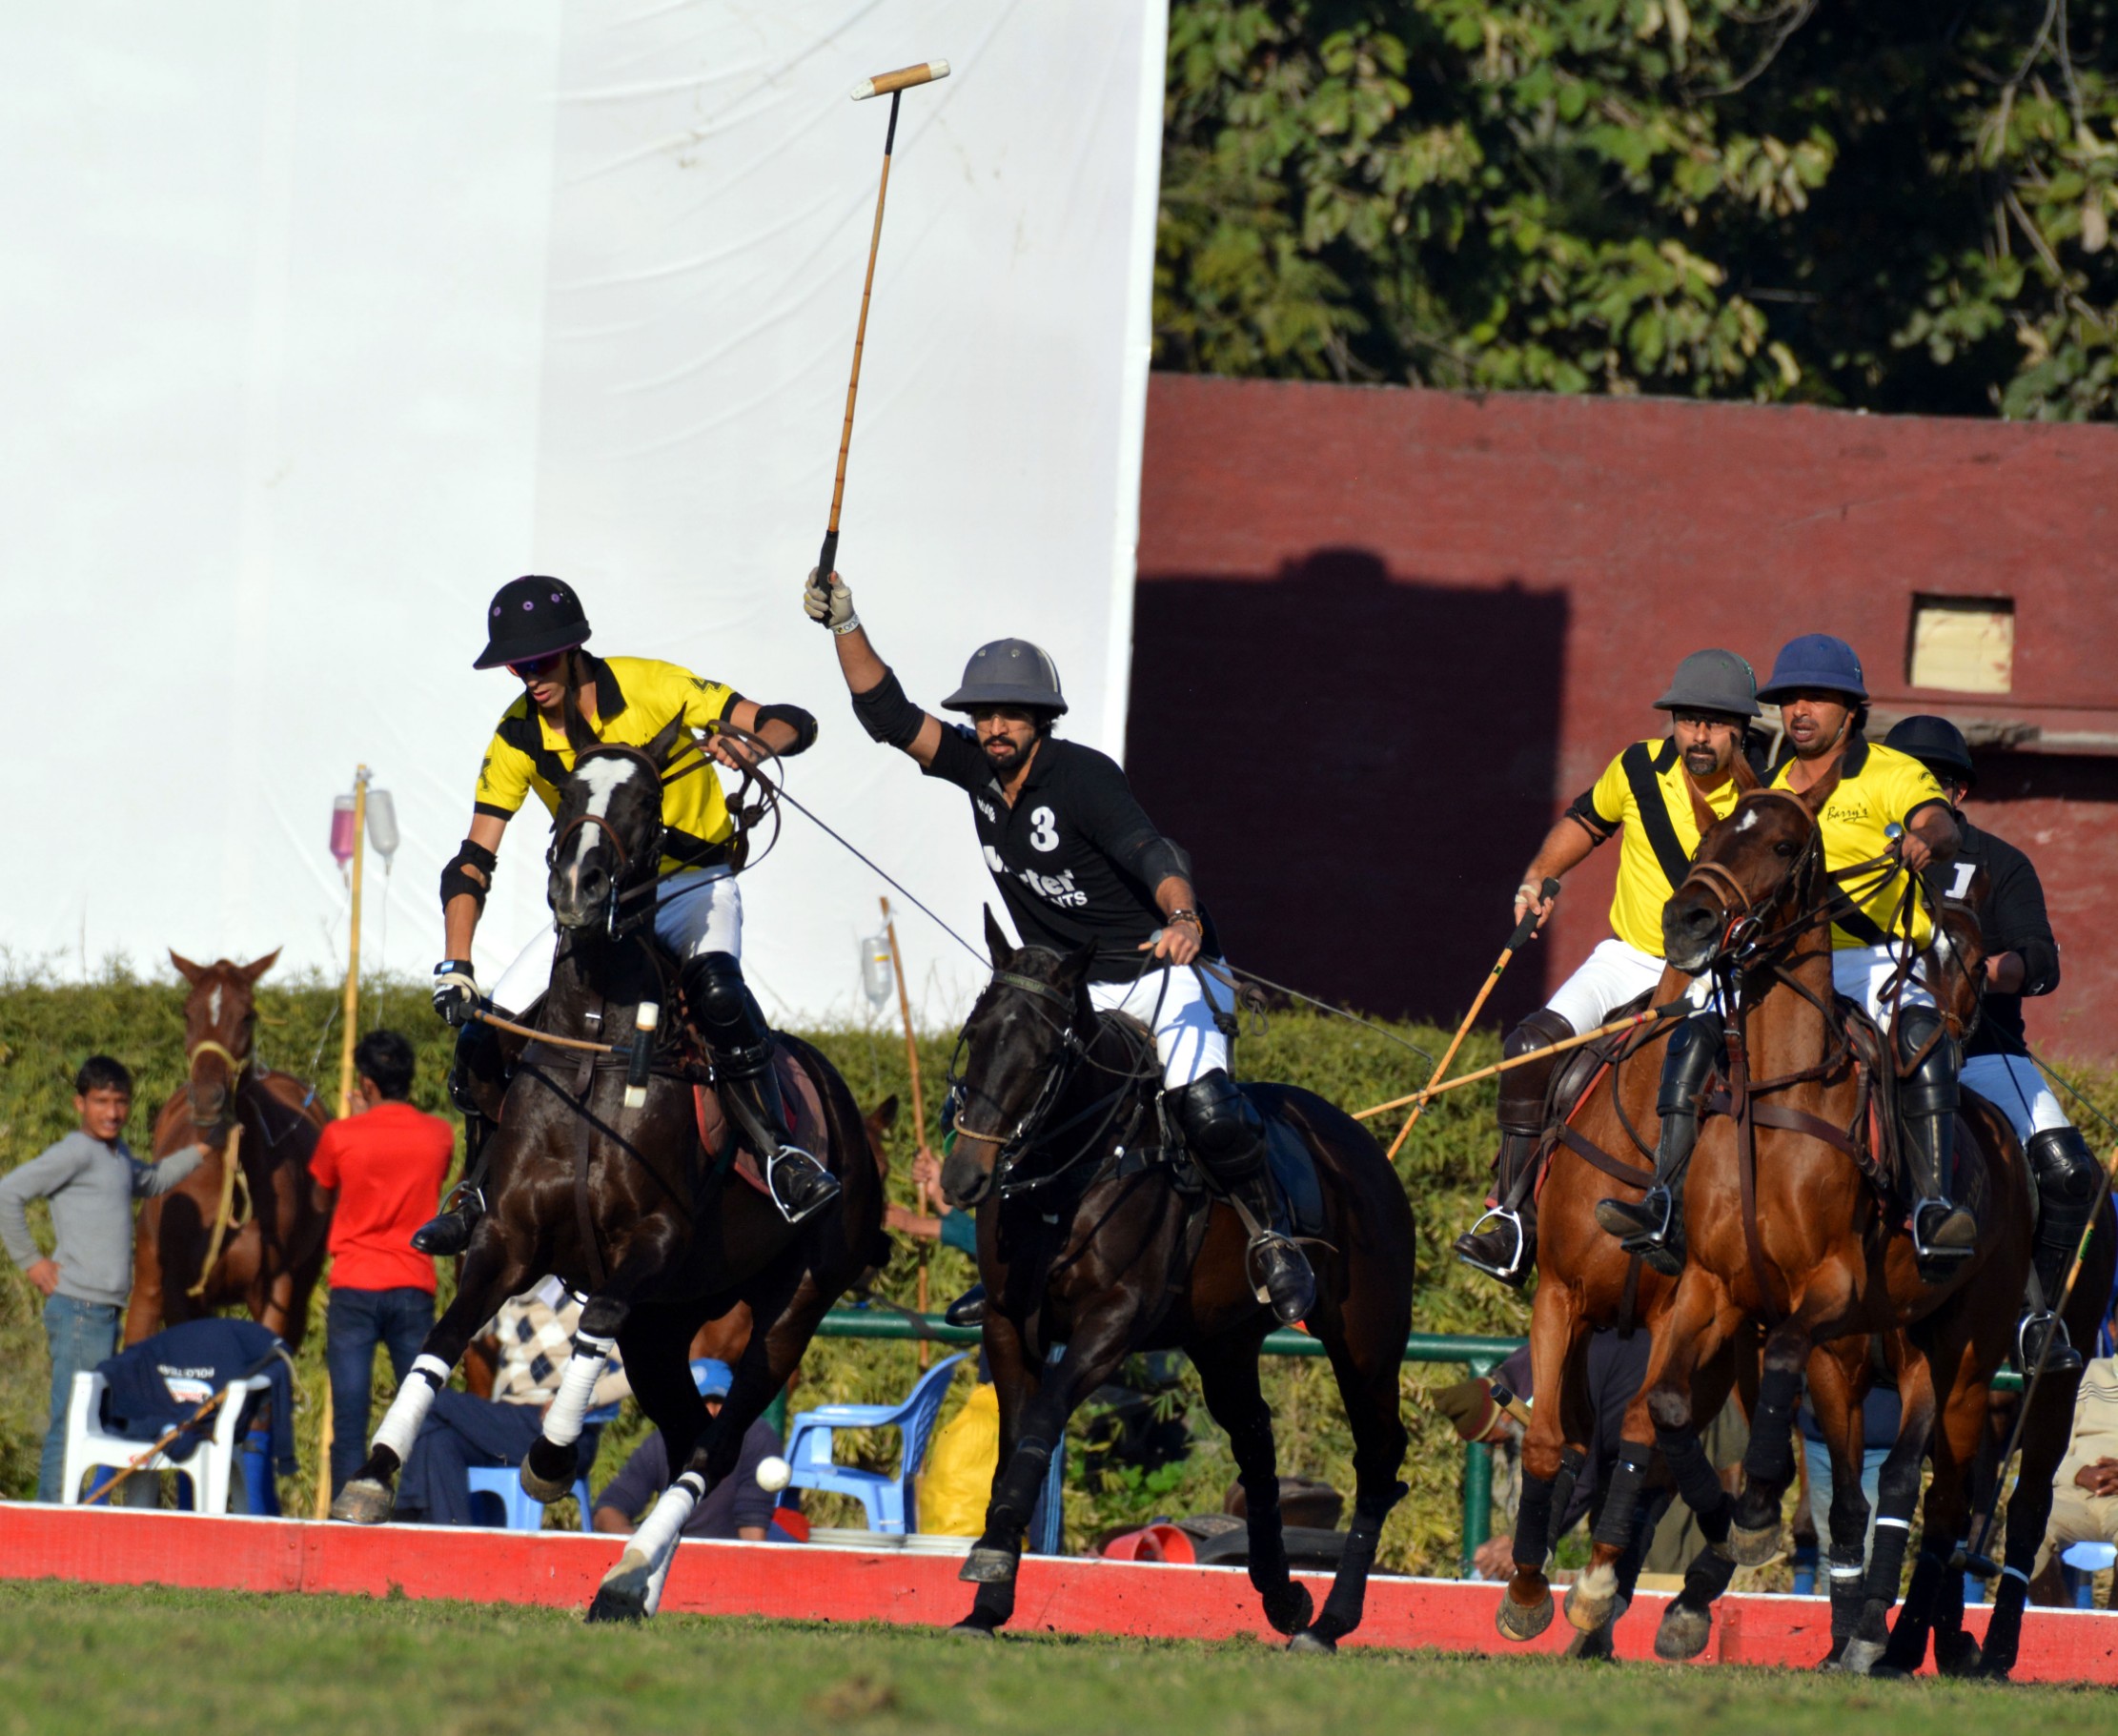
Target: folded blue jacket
x,y
159,1382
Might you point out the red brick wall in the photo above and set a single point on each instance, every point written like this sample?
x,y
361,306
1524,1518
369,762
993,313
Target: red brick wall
x,y
1383,635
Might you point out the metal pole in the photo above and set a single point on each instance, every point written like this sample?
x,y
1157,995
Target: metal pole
x,y
1478,1499
361,777
919,1101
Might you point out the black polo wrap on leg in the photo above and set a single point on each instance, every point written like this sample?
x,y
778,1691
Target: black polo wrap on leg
x,y
1572,1460
1696,1483
1908,1633
1349,1587
1533,1521
1769,1458
1710,1570
1614,1529
1897,1494
886,714
1222,1128
1015,1497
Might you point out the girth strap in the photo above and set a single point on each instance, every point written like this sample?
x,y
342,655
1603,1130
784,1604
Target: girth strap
x,y
1616,1169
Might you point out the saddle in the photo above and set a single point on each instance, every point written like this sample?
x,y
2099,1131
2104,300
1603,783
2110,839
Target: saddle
x,y
722,1140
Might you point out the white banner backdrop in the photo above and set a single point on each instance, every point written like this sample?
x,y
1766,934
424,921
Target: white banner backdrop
x,y
324,320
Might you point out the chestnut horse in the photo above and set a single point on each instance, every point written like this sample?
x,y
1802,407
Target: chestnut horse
x,y
622,1202
1785,1233
1088,1238
271,1248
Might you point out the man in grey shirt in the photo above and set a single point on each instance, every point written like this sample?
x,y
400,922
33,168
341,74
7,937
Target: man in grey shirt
x,y
92,1179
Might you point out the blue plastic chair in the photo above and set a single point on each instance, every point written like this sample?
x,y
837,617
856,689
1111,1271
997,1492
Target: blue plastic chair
x,y
2079,1565
887,1499
519,1510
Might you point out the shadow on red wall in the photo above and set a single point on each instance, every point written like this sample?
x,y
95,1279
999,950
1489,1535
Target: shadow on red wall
x,y
1353,760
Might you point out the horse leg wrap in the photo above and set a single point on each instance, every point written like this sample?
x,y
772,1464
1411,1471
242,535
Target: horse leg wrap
x,y
1016,1497
1769,1458
1533,1521
656,1535
1614,1528
1907,1646
401,1423
1696,1483
562,1422
2003,1632
1848,1594
1349,1586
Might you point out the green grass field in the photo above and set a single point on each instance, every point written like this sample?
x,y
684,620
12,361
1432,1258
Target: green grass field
x,y
98,1660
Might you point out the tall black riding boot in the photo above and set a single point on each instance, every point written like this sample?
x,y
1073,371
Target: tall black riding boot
x,y
1655,1228
1229,1140
1943,1233
1502,1244
732,1026
2065,1174
479,1061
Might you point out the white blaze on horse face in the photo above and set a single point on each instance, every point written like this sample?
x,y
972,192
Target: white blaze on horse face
x,y
605,779
213,1007
1748,821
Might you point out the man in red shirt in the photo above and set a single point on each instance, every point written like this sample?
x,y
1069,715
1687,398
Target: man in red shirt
x,y
386,1162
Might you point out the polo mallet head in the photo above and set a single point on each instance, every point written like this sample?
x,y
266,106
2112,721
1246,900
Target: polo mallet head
x,y
892,85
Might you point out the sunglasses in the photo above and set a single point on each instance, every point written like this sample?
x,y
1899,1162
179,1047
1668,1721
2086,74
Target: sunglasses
x,y
536,668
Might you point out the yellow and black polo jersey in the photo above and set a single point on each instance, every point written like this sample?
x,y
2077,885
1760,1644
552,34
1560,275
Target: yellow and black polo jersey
x,y
1659,838
635,698
1877,784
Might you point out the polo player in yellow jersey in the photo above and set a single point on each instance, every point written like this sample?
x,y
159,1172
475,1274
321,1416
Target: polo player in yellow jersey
x,y
1823,707
1656,792
572,701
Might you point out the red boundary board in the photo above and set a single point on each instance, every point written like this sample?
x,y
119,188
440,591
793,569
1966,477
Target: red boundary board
x,y
1062,1596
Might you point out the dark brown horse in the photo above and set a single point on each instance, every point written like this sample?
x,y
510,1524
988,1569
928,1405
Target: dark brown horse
x,y
270,1248
1090,1235
1786,1233
623,1203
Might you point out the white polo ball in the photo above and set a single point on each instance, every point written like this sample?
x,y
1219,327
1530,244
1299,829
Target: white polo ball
x,y
774,1473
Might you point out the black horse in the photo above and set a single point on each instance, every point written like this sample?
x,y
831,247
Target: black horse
x,y
1094,1234
622,1202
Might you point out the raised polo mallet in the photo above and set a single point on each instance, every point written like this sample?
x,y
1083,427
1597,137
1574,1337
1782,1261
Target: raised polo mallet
x,y
894,85
1516,941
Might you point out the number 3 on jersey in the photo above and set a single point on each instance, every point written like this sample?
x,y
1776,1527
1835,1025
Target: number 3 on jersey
x,y
1044,830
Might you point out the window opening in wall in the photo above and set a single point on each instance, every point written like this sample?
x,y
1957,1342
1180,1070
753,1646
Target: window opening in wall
x,y
1963,645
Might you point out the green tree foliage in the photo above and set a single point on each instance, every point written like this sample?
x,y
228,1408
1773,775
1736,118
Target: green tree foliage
x,y
1901,205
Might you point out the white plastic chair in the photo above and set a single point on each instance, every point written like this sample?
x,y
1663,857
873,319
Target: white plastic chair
x,y
210,1467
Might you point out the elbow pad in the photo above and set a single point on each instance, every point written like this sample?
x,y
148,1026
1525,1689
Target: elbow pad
x,y
886,714
2039,967
1582,811
1158,860
795,719
455,882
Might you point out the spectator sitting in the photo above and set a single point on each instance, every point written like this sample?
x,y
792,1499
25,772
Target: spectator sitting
x,y
536,1335
386,1162
2085,1489
735,1508
92,1179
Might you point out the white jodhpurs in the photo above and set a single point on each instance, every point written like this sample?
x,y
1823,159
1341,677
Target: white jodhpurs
x,y
1616,972
2013,1085
1172,1003
1862,974
698,911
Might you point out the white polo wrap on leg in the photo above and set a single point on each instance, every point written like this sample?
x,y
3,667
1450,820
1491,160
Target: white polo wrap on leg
x,y
401,1425
562,1422
657,1537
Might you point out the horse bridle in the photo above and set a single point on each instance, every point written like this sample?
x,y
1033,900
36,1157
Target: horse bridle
x,y
651,852
1029,1129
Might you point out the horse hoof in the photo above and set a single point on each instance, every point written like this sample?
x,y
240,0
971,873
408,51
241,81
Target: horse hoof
x,y
1683,1633
1597,1647
989,1567
1591,1599
622,1595
1992,1672
1522,1620
1861,1657
1753,1548
1309,1641
971,1628
1956,1654
537,1489
1289,1608
363,1502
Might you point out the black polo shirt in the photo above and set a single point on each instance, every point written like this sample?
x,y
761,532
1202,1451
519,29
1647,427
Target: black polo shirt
x,y
2014,921
1067,855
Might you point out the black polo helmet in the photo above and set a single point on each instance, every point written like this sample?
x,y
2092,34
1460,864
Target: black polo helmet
x,y
530,618
1712,681
1937,744
1009,672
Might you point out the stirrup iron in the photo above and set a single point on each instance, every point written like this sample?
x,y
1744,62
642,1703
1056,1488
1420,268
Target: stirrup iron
x,y
825,1194
1513,1219
1922,1248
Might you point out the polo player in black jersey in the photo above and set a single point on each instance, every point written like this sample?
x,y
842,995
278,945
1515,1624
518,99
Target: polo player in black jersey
x,y
2023,960
1078,864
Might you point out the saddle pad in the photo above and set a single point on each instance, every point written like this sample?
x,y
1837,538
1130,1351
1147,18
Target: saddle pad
x,y
798,1094
1578,1067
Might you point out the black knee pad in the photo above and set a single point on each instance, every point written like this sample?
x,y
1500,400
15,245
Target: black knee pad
x,y
1688,1064
722,1006
2064,1166
1524,1090
1222,1126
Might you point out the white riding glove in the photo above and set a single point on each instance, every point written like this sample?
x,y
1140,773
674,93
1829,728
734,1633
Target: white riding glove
x,y
828,602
